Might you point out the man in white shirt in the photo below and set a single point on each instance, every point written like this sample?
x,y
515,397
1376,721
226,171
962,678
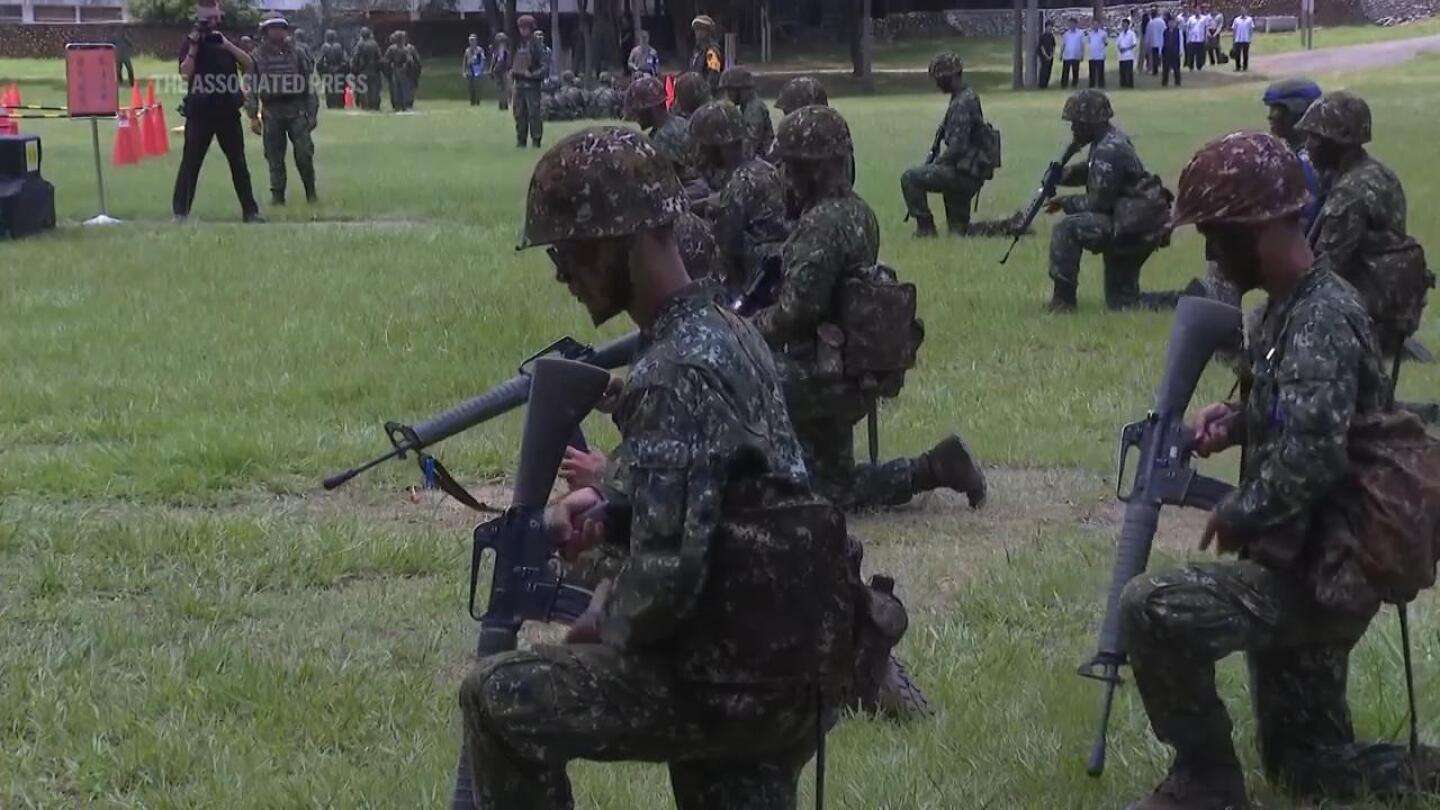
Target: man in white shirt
x,y
1244,28
1096,41
1154,34
1127,45
1195,41
1214,24
1072,50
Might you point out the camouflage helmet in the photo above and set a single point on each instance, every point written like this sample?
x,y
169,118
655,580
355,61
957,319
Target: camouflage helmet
x,y
644,93
716,124
566,77
1340,117
365,33
331,35
945,64
814,133
272,19
1295,95
801,91
605,78
736,78
600,183
691,90
1242,178
1088,106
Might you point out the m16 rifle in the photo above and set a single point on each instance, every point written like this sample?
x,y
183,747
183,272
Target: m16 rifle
x,y
759,291
1049,181
936,144
1164,477
524,583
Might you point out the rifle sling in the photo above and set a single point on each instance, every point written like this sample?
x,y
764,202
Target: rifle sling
x,y
451,487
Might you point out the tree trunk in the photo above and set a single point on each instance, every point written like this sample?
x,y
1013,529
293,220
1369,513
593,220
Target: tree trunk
x,y
1100,10
510,17
493,18
867,48
558,64
1017,79
587,35
681,13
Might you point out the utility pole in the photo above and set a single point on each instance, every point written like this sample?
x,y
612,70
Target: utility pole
x,y
1017,72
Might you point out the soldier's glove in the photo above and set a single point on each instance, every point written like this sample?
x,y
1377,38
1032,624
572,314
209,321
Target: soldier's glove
x,y
255,126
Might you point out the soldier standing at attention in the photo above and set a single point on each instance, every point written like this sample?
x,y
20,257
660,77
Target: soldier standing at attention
x,y
1317,369
472,68
1122,215
957,166
530,68
645,105
500,69
739,87
365,64
706,59
333,66
691,93
838,235
655,670
279,80
748,209
1072,50
393,57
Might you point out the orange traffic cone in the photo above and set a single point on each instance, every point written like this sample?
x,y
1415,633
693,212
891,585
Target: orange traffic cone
x,y
6,96
124,154
349,97
8,125
134,97
157,111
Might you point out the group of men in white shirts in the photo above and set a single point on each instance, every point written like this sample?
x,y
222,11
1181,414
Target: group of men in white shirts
x,y
1159,45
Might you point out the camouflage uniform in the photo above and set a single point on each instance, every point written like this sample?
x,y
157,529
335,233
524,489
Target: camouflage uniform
x,y
1111,172
529,67
691,92
400,72
952,171
801,91
697,246
1316,367
279,79
604,103
701,421
739,85
332,67
571,98
365,64
549,99
748,211
837,234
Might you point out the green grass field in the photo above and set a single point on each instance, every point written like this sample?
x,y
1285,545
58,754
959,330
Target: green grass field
x,y
188,621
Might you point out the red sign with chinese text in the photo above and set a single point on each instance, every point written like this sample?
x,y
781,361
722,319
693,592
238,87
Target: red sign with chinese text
x,y
91,85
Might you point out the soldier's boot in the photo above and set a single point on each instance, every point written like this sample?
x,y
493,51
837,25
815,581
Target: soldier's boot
x,y
925,226
1062,300
883,686
950,464
957,223
1199,786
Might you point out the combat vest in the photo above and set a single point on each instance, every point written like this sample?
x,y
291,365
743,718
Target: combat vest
x,y
367,57
332,58
279,75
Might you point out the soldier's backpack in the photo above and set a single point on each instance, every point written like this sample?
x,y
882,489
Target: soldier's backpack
x,y
1143,215
987,150
1393,284
880,334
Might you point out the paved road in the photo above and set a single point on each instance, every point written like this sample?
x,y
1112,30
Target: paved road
x,y
1348,57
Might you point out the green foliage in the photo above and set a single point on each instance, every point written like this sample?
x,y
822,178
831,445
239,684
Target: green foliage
x,y
238,13
189,622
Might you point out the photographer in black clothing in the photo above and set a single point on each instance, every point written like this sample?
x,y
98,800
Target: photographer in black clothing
x,y
211,65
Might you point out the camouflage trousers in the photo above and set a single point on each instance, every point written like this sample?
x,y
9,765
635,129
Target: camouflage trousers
x,y
528,117
288,124
957,188
1077,233
528,713
829,447
1178,623
402,93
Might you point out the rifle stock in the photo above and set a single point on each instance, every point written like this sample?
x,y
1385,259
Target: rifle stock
x,y
1163,477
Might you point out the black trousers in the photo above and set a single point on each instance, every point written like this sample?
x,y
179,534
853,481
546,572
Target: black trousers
x,y
1127,72
474,82
1170,64
124,68
1154,61
1097,72
1043,68
199,130
1070,73
1242,56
